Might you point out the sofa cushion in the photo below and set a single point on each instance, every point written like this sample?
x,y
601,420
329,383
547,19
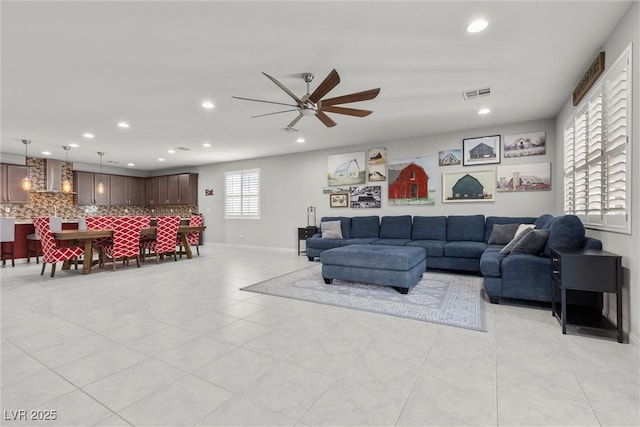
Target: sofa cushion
x,y
566,232
464,249
429,228
396,227
531,243
320,243
392,242
365,227
468,228
331,230
502,233
543,221
434,248
360,241
493,220
345,224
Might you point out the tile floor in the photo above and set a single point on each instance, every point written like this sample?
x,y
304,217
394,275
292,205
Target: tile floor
x,y
178,344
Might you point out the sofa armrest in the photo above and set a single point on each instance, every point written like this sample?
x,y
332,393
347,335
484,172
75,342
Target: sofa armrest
x,y
526,277
591,243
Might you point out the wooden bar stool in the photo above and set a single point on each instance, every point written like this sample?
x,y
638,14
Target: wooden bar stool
x,y
7,237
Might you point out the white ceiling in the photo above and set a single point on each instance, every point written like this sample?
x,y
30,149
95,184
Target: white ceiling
x,y
75,67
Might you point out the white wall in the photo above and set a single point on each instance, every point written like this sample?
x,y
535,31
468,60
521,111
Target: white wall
x,y
291,183
627,246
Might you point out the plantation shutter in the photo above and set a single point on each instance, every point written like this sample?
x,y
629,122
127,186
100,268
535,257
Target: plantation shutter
x,y
569,168
242,198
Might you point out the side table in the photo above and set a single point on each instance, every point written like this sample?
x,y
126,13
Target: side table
x,y
303,234
580,270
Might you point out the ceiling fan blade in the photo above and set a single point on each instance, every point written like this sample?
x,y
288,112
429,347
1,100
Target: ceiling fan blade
x,y
348,111
352,97
296,120
325,119
277,112
260,100
326,86
284,88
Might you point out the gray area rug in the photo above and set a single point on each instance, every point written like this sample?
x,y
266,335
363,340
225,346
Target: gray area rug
x,y
448,299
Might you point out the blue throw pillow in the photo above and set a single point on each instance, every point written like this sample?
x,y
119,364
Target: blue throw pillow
x,y
507,249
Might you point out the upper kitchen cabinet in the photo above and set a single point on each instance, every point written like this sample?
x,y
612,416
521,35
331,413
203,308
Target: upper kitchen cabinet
x,y
87,192
126,191
11,183
188,189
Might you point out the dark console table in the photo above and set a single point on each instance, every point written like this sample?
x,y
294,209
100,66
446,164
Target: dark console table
x,y
575,271
303,234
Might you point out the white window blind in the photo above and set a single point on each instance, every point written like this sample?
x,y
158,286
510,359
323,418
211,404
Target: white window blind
x,y
597,152
242,198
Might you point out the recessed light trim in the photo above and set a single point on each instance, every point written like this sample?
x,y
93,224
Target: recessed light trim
x,y
484,111
46,153
161,159
74,145
206,144
208,105
88,135
300,141
477,26
131,164
171,151
123,125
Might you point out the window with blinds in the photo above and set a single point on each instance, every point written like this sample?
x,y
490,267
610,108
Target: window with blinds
x,y
242,194
597,184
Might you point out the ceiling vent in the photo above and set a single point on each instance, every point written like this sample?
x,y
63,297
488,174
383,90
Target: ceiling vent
x,y
476,93
113,162
289,129
183,148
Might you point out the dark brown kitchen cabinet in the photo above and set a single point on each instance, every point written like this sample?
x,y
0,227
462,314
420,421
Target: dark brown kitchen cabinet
x,y
127,191
87,184
173,190
135,191
188,189
162,190
118,190
11,183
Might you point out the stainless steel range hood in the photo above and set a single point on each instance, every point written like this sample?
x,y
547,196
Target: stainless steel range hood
x,y
53,177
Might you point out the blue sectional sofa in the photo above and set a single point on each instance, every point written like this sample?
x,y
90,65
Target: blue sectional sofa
x,y
461,243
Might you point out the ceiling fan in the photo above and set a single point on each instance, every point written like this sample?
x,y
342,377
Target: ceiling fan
x,y
312,104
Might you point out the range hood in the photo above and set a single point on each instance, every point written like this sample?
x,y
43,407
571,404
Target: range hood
x,y
53,177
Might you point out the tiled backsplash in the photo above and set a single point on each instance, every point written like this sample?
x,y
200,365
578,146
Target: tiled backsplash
x,y
61,204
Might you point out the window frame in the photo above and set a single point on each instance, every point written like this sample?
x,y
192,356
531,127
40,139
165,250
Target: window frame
x,y
246,194
599,131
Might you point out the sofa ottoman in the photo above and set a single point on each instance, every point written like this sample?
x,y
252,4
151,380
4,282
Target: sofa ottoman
x,y
400,267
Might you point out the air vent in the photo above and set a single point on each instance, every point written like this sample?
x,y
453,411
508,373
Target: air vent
x,y
113,162
476,93
183,148
289,130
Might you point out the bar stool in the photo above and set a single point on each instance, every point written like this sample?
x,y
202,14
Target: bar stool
x,y
7,236
34,247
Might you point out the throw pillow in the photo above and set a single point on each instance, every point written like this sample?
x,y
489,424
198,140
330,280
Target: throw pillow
x,y
507,249
331,230
501,234
531,243
523,227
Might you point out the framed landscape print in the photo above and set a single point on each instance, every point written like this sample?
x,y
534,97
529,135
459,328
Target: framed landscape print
x,y
525,144
529,177
481,151
339,200
377,164
476,186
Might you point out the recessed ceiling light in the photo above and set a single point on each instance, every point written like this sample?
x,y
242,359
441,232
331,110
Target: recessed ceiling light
x,y
171,151
484,111
208,105
88,135
477,26
161,159
123,125
46,153
206,144
131,164
300,140
74,145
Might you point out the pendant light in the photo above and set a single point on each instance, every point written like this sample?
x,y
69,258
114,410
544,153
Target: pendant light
x,y
26,182
100,184
66,185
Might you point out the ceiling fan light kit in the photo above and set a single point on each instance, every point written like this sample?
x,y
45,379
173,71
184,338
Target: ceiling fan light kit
x,y
312,104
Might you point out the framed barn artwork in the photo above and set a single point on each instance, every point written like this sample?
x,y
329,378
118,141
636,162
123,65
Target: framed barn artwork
x,y
366,197
525,144
528,177
412,181
346,169
450,157
481,151
476,186
377,164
